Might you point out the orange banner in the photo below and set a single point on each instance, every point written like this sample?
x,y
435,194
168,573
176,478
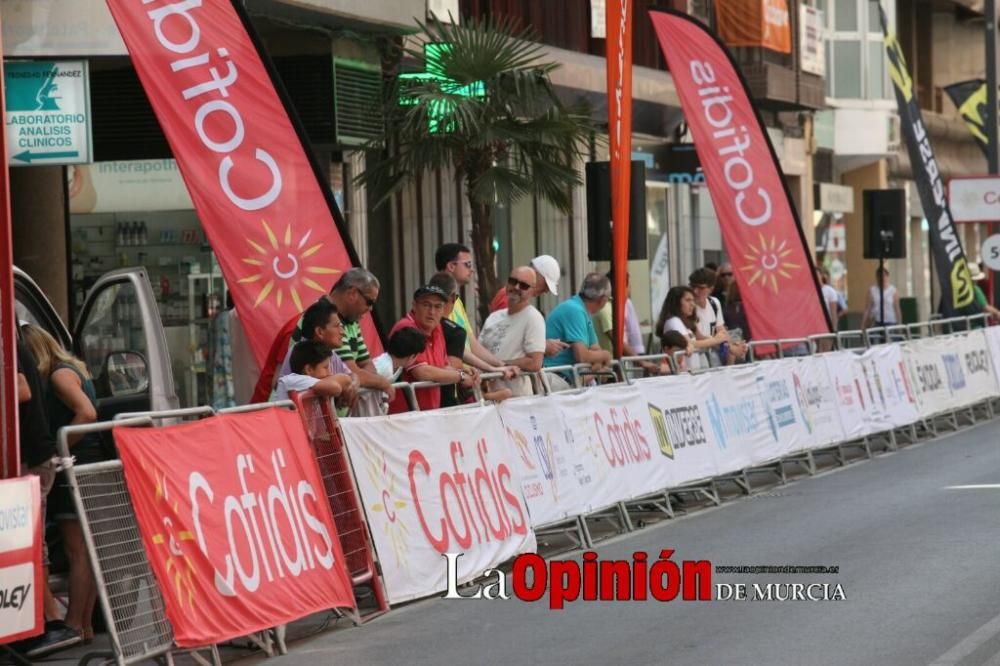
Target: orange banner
x,y
763,23
619,59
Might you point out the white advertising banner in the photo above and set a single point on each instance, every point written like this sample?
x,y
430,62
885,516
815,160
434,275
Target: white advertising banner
x,y
817,403
21,580
612,432
556,479
737,417
687,443
950,372
981,381
892,400
17,610
434,483
783,404
850,391
993,346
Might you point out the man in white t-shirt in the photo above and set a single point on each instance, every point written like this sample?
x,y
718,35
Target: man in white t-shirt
x,y
516,334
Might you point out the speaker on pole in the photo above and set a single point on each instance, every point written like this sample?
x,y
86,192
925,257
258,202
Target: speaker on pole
x,y
599,211
885,224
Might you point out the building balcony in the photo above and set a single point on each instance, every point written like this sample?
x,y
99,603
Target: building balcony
x,y
775,84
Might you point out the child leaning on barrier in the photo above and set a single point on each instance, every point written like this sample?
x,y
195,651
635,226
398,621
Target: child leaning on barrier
x,y
310,364
403,347
673,341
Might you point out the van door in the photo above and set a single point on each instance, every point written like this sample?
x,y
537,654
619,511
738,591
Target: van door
x,y
120,337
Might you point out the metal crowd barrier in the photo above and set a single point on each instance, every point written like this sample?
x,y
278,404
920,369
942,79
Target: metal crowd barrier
x,y
126,587
327,443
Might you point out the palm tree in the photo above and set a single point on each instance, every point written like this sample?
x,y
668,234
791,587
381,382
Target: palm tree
x,y
484,106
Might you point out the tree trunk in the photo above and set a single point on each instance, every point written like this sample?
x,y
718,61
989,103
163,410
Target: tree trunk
x,y
485,257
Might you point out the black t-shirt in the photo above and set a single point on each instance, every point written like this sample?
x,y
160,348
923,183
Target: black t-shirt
x,y
454,338
37,444
454,343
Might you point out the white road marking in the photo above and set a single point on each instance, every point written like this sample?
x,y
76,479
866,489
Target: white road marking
x,y
969,644
976,486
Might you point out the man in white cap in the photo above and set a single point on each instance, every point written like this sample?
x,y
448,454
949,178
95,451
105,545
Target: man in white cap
x,y
546,281
977,275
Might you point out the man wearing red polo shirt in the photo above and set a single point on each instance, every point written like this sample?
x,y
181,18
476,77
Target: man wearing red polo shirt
x,y
431,365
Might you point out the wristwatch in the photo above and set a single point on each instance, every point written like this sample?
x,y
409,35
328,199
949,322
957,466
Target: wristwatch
x,y
461,376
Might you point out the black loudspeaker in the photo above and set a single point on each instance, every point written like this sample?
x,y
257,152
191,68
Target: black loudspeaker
x,y
885,224
599,211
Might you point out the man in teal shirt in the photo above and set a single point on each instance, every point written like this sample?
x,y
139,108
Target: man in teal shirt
x,y
571,322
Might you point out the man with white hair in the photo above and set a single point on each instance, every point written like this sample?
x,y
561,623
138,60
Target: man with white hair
x,y
571,323
516,334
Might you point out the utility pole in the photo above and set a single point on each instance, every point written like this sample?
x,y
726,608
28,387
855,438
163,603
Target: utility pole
x,y
991,112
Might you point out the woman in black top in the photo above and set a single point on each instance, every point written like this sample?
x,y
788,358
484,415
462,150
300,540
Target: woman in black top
x,y
71,400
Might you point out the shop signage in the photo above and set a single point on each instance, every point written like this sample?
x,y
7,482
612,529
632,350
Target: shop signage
x,y
812,57
990,252
682,165
974,199
835,198
47,112
20,559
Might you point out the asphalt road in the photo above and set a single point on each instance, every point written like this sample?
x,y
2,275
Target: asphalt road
x,y
919,563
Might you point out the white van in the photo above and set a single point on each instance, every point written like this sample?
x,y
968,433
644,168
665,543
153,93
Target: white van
x,y
119,335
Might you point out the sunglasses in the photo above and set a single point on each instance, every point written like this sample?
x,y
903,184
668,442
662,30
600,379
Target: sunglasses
x,y
370,302
523,286
467,264
726,274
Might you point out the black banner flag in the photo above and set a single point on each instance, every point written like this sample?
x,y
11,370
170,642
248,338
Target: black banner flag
x,y
970,98
957,295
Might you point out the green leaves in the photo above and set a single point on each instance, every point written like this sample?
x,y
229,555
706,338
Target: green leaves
x,y
484,104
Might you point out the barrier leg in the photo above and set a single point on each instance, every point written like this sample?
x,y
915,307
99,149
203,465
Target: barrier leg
x,y
806,461
588,539
626,519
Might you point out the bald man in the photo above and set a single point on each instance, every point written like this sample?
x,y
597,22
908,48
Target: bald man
x,y
516,334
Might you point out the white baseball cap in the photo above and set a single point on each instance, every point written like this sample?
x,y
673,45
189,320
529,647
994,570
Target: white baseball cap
x,y
546,266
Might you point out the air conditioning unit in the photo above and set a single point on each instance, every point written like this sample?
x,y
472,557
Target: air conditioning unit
x,y
894,131
701,10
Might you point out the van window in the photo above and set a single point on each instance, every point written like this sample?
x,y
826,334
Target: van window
x,y
113,324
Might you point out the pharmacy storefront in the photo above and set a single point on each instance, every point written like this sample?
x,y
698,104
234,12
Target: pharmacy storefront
x,y
138,213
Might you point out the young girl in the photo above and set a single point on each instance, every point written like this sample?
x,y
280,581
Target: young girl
x,y
678,314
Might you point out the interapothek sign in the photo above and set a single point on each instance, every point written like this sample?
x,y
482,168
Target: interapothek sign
x,y
975,199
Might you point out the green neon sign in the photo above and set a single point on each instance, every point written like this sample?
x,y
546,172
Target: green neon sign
x,y
439,110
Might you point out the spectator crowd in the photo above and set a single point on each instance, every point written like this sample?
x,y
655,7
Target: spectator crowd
x,y
437,348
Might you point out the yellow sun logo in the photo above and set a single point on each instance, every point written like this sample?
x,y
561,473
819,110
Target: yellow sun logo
x,y
283,267
767,262
179,567
383,479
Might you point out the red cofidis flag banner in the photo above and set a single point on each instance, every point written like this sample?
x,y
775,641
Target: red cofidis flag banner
x,y
239,540
272,225
759,224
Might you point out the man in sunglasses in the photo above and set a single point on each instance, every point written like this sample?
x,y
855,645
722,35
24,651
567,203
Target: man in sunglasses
x,y
723,279
516,333
456,259
354,295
